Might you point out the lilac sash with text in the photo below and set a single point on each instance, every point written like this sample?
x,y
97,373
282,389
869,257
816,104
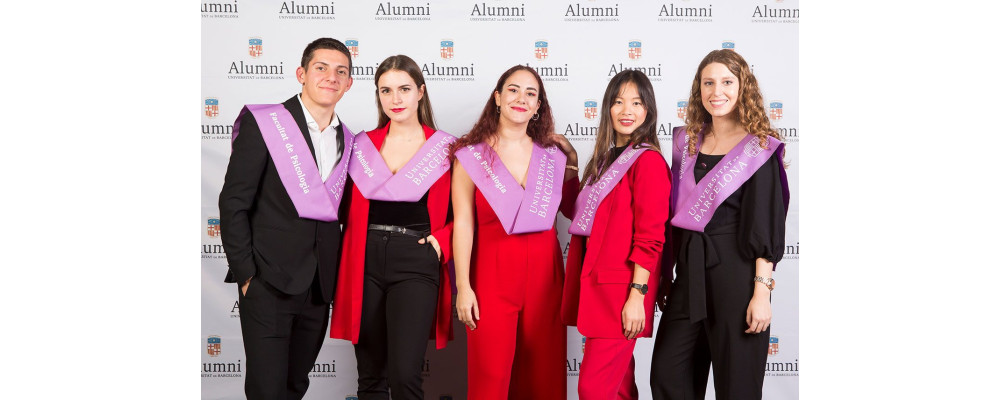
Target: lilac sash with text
x,y
376,182
592,195
313,198
520,210
695,204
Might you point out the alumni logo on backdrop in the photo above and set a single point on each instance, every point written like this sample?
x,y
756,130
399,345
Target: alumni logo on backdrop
x,y
298,10
256,47
682,109
775,113
403,11
772,346
634,50
791,251
769,14
606,11
548,72
447,49
324,370
241,69
220,9
512,12
425,370
211,107
684,12
212,251
214,346
350,397
449,72
573,367
214,227
541,50
219,367
352,46
590,109
729,44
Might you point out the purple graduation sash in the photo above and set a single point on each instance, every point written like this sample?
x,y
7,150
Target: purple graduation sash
x,y
376,182
520,210
695,204
592,195
313,198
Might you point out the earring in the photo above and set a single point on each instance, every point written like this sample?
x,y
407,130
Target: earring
x,y
498,109
534,117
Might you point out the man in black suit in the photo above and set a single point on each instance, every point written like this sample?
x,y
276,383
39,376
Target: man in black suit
x,y
286,265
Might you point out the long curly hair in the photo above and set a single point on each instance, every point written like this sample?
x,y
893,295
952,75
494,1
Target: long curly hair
x,y
399,62
750,112
644,134
540,130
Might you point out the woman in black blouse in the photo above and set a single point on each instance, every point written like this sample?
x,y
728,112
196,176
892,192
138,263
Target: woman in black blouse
x,y
729,201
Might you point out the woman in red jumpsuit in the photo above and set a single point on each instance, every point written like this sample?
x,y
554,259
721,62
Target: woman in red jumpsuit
x,y
507,185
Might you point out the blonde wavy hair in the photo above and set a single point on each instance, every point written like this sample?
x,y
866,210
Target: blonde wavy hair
x,y
749,109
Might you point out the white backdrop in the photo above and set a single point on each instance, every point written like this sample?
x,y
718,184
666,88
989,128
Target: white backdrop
x,y
250,50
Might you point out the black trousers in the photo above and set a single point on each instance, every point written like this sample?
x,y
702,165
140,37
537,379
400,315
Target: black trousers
x,y
683,351
282,335
397,312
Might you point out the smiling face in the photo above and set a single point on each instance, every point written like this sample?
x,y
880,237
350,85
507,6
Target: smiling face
x,y
326,78
627,111
720,90
399,95
518,98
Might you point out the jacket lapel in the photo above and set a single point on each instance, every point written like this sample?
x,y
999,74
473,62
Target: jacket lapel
x,y
294,107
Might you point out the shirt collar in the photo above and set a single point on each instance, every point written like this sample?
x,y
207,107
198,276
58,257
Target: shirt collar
x,y
334,123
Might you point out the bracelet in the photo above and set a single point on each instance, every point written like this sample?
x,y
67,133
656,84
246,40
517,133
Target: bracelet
x,y
573,167
768,282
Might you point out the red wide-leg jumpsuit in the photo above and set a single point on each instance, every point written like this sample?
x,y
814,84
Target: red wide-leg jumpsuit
x,y
518,350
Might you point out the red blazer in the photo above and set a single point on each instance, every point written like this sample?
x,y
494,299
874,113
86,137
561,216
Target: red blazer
x,y
345,323
628,229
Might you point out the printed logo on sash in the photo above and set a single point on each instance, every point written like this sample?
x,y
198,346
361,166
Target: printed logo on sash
x,y
592,195
532,208
376,182
313,198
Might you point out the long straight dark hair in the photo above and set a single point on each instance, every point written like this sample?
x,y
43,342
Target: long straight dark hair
x,y
425,115
645,134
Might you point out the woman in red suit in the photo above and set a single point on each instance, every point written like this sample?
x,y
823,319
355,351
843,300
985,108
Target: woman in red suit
x,y
618,229
393,287
506,189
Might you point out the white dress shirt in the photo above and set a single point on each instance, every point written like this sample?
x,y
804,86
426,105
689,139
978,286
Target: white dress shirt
x,y
325,142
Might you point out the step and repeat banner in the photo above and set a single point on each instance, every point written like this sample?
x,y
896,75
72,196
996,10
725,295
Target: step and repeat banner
x,y
250,49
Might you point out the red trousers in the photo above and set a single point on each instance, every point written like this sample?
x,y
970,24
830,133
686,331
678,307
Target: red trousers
x,y
518,350
608,370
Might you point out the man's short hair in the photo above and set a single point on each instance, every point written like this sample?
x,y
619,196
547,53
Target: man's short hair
x,y
330,44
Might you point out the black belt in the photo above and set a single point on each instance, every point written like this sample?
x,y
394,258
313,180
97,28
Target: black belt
x,y
398,229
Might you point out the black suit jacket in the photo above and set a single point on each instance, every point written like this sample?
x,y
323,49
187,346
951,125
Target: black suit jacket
x,y
262,233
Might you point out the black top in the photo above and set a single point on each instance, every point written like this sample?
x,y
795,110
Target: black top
x,y
617,152
755,211
410,215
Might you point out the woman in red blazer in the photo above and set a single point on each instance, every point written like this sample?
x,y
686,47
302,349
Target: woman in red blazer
x,y
618,229
393,286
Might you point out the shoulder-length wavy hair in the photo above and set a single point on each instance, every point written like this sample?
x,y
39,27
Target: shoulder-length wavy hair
x,y
425,115
645,134
540,130
749,108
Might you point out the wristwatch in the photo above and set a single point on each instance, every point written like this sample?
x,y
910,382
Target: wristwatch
x,y
769,282
643,288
